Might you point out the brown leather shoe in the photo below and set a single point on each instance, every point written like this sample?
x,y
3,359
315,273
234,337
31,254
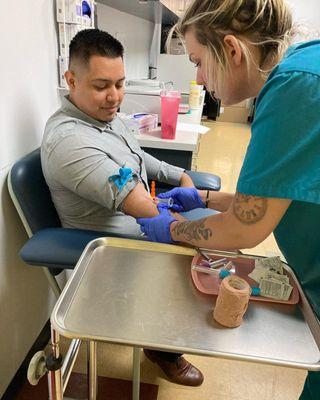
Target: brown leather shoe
x,y
179,371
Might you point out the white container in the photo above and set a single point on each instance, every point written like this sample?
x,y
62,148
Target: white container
x,y
142,96
195,95
141,123
69,11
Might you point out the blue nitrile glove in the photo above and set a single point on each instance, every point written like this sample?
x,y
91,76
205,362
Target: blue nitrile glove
x,y
174,207
158,228
188,198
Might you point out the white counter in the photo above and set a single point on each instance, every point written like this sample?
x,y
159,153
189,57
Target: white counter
x,y
185,141
193,118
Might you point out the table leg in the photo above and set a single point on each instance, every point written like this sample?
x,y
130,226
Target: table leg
x,y
92,370
136,373
55,385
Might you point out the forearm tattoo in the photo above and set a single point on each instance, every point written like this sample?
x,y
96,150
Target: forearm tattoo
x,y
192,231
249,209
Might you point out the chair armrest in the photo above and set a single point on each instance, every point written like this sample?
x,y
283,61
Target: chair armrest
x,y
59,248
205,180
201,180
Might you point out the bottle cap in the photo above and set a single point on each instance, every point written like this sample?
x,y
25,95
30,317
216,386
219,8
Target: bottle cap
x,y
224,273
255,291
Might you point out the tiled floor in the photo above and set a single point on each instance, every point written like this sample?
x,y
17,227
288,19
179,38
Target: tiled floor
x,y
221,151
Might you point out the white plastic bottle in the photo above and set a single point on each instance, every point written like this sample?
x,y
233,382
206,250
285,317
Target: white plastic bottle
x,y
195,95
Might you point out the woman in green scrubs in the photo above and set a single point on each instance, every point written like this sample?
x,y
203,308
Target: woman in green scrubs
x,y
241,49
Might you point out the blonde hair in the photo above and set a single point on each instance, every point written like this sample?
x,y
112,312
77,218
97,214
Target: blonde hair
x,y
264,24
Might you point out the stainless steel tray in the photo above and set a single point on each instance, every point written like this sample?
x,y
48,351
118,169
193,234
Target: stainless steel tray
x,y
141,294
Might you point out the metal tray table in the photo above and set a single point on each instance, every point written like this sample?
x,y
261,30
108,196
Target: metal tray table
x,y
141,294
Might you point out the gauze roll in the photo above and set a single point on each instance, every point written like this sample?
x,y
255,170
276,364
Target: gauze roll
x,y
232,301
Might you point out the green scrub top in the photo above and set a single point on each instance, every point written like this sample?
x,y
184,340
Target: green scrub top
x,y
283,161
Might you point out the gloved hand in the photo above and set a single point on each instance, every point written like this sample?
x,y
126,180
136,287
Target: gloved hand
x,y
188,198
174,207
158,228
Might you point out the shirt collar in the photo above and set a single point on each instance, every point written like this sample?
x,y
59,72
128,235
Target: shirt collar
x,y
69,108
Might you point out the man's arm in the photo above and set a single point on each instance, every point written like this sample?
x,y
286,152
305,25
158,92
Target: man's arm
x,y
90,173
139,203
163,172
248,221
186,181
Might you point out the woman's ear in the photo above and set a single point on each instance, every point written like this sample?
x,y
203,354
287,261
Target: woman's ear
x,y
233,50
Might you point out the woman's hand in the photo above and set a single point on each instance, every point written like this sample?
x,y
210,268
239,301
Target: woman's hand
x,y
187,198
158,228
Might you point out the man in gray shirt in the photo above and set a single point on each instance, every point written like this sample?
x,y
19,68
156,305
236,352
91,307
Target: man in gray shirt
x,y
95,169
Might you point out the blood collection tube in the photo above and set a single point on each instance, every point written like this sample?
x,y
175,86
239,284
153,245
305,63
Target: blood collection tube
x,y
168,201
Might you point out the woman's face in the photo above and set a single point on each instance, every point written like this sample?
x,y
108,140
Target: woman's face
x,y
237,85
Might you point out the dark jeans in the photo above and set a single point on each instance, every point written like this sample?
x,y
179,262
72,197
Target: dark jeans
x,y
311,390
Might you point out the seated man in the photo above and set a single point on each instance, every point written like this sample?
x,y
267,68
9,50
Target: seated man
x,y
95,168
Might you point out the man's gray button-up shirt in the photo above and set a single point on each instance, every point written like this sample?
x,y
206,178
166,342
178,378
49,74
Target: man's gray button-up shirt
x,y
79,154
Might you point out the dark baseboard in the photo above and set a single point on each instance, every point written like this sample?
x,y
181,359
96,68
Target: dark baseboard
x,y
20,377
108,388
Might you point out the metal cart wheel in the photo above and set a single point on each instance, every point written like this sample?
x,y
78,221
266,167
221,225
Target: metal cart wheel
x,y
37,368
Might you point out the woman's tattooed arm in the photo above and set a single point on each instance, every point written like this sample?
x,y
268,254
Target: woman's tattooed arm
x,y
249,209
191,231
247,222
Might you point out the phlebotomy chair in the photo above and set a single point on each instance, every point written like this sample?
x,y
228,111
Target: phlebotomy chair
x,y
50,246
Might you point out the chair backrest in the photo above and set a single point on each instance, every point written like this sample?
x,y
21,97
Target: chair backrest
x,y
31,195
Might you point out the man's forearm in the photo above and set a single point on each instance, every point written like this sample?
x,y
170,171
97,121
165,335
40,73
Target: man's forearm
x,y
139,203
144,208
186,181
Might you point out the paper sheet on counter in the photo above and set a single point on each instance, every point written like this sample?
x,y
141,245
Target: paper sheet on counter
x,y
182,126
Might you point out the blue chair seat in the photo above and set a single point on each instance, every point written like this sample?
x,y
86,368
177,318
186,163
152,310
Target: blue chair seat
x,y
59,248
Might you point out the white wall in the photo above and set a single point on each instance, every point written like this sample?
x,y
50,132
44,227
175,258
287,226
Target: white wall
x,y
307,12
28,73
134,33
178,69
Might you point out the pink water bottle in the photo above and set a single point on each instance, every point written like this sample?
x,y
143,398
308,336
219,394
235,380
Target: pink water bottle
x,y
170,101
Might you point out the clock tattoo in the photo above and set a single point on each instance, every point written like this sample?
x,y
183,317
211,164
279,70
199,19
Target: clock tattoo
x,y
249,209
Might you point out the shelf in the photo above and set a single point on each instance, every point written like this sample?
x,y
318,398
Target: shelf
x,y
144,11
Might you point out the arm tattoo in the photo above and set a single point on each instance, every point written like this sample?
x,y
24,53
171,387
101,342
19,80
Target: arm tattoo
x,y
191,231
249,209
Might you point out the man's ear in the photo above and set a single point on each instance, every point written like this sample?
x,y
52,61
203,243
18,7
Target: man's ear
x,y
70,79
233,49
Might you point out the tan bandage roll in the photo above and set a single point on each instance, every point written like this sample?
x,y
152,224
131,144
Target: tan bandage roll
x,y
232,301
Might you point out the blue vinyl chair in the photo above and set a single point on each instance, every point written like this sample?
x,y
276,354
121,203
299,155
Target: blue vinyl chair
x,y
50,246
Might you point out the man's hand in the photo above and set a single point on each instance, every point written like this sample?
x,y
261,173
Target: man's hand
x,y
158,228
186,181
187,198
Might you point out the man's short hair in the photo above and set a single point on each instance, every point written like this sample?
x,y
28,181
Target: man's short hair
x,y
93,42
